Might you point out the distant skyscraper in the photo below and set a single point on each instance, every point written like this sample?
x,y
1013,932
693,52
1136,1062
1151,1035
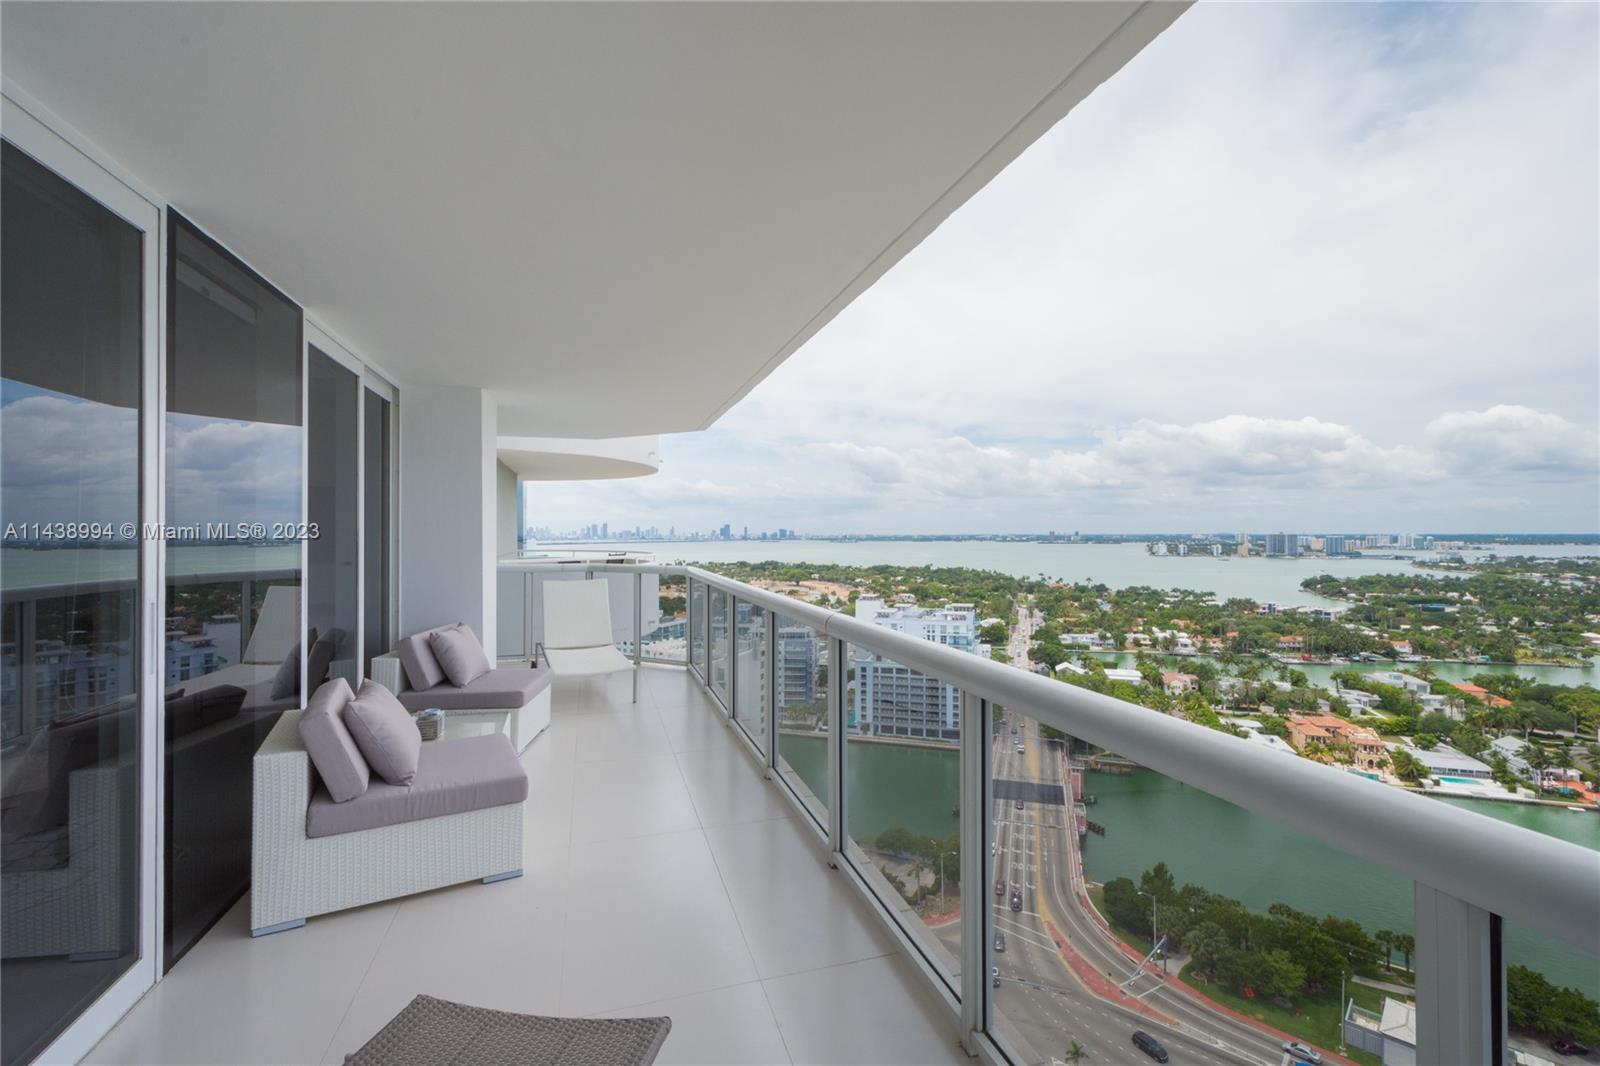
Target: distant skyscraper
x,y
1335,544
1286,545
727,531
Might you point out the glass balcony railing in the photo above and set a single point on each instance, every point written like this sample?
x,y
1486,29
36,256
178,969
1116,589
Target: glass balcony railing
x,y
800,681
1067,869
751,691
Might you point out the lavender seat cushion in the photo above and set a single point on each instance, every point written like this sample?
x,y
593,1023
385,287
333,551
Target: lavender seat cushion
x,y
504,688
333,751
453,776
459,654
385,733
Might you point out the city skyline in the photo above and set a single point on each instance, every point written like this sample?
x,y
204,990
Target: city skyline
x,y
1319,296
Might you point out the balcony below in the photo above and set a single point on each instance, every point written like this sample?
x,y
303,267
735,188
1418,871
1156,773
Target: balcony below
x,y
663,875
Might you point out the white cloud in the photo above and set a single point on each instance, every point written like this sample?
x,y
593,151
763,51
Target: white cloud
x,y
1299,263
1515,439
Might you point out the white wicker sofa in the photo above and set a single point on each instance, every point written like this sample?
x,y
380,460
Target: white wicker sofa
x,y
459,820
411,672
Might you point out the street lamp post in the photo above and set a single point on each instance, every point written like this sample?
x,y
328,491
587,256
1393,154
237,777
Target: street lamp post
x,y
1155,938
942,854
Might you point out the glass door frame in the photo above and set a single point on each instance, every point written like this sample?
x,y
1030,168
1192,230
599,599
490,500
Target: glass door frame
x,y
33,134
385,390
367,381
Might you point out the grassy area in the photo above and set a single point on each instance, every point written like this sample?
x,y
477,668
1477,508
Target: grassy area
x,y
1316,1021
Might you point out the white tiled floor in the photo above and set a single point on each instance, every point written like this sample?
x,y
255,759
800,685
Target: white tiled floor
x,y
663,876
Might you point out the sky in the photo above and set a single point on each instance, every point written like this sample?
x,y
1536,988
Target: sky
x,y
1297,266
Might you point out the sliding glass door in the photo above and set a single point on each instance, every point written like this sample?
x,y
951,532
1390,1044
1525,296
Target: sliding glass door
x,y
77,583
236,644
333,501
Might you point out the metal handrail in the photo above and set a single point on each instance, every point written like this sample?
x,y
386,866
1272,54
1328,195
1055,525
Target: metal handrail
x,y
1526,877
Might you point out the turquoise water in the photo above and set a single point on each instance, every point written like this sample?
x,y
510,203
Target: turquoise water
x,y
1150,818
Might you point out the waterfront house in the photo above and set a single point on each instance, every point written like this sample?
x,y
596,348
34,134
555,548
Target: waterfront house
x,y
1414,685
1291,642
1445,761
1367,749
1515,752
1177,684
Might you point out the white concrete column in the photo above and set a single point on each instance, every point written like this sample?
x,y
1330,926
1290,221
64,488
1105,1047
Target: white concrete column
x,y
1461,1009
448,510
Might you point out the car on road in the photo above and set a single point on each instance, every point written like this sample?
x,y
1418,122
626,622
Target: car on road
x,y
1149,1045
994,972
1019,805
1566,1046
1016,900
1000,889
1300,1053
999,941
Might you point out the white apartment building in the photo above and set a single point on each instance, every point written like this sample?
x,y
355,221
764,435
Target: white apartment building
x,y
896,701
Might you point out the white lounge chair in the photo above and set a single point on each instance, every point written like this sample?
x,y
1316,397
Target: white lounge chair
x,y
577,631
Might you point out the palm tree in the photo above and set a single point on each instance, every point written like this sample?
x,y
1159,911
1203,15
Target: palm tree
x,y
1407,944
1386,939
1074,1052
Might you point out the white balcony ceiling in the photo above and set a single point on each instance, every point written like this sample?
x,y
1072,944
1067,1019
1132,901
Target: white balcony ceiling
x,y
580,458
619,218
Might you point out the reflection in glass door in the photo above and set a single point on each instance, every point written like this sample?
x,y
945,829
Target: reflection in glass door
x,y
235,649
72,330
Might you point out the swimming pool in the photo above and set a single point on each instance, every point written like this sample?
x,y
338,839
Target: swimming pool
x,y
1465,780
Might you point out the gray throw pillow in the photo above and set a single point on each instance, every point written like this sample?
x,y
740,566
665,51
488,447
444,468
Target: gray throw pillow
x,y
286,682
416,655
385,733
459,654
333,750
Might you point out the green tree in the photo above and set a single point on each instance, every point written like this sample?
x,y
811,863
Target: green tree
x,y
1407,766
1124,907
1207,944
1385,939
1405,944
1278,975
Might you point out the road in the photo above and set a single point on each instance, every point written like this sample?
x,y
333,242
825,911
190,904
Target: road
x,y
1041,1004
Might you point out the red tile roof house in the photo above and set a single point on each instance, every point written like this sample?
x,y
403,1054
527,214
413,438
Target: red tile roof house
x,y
1366,746
1177,684
1483,694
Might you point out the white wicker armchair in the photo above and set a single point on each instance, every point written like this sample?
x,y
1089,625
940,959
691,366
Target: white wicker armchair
x,y
295,876
527,720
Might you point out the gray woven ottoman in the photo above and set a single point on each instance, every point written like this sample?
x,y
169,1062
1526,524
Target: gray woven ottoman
x,y
437,1032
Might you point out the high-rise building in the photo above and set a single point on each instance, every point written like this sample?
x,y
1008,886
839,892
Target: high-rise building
x,y
726,532
799,653
1286,545
895,700
1335,544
